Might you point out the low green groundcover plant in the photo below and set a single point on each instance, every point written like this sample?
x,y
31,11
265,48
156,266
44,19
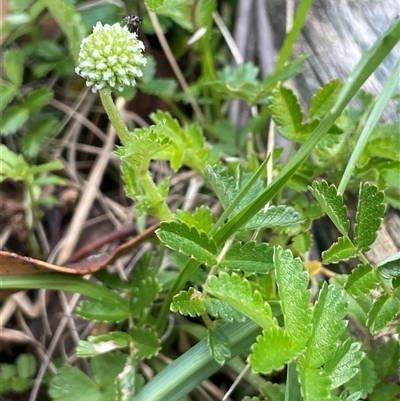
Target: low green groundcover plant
x,y
253,296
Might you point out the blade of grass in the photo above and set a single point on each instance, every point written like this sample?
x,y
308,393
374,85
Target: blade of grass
x,y
370,124
60,282
292,36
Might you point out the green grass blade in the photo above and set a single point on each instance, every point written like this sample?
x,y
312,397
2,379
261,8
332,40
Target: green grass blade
x,y
373,119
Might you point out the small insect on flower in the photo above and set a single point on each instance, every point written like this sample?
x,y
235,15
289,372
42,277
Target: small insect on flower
x,y
132,23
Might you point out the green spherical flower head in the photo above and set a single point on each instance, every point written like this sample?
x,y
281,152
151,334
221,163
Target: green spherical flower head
x,y
110,58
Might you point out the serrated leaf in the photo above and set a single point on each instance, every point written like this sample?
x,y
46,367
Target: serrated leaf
x,y
332,204
143,295
202,218
146,343
38,98
315,383
362,280
70,380
369,216
286,112
328,325
12,165
292,281
102,344
188,240
189,303
13,64
343,364
26,366
390,267
385,392
237,292
275,216
386,359
13,119
105,369
324,99
365,378
221,309
382,312
103,311
302,242
343,249
219,347
7,93
249,257
271,351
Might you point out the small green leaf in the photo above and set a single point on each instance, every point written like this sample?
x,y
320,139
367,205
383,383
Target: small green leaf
x,y
249,257
332,204
272,350
46,167
385,392
70,380
202,218
390,267
189,303
221,183
26,365
13,64
12,165
362,280
341,250
103,311
237,292
292,281
106,368
286,112
219,347
188,240
382,312
369,216
13,119
7,93
328,325
143,295
315,383
324,99
97,345
274,216
146,343
38,98
386,359
365,378
302,242
343,364
221,309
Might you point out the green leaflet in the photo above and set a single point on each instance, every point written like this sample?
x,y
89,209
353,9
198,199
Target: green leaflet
x,y
189,303
362,280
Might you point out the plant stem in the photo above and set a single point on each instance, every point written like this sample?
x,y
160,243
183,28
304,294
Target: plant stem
x,y
114,117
